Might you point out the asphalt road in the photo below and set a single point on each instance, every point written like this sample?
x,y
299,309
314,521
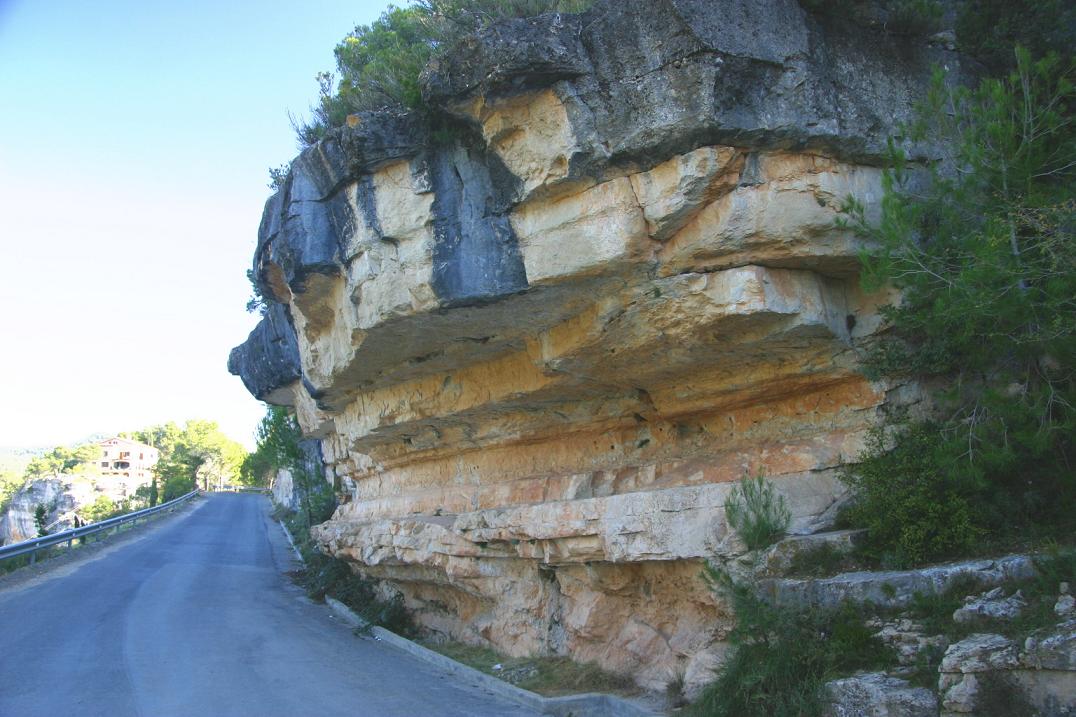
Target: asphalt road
x,y
197,617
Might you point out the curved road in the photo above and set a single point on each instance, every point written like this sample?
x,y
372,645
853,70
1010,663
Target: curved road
x,y
197,617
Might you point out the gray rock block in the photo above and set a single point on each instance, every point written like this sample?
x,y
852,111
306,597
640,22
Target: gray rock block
x,y
779,557
268,361
981,652
991,605
877,695
894,588
1053,650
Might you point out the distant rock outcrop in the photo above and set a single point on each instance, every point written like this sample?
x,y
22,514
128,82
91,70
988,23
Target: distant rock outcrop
x,y
538,347
63,495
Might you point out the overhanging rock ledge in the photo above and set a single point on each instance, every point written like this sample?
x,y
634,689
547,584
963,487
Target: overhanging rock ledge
x,y
538,348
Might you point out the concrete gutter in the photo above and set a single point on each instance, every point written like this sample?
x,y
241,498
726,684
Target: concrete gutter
x,y
287,534
591,704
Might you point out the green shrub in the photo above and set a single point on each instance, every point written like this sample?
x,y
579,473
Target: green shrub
x,y
821,560
913,506
277,177
41,517
986,263
914,17
999,695
935,610
101,509
781,658
378,65
327,576
146,495
1053,567
989,29
176,486
279,446
758,513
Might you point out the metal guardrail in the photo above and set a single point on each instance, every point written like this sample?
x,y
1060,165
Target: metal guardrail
x,y
69,536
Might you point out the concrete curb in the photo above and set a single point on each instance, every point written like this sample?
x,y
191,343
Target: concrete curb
x,y
291,542
585,705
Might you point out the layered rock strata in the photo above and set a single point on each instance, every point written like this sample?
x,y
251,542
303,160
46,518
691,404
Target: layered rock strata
x,y
540,335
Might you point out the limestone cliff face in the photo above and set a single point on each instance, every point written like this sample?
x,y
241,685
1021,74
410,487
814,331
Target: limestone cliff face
x,y
539,342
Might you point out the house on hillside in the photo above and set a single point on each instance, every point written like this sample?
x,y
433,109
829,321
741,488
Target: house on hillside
x,y
129,459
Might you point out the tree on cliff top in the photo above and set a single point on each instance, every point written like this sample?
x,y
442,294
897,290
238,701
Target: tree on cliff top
x,y
378,65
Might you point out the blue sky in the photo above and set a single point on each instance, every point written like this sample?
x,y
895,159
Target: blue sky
x,y
135,142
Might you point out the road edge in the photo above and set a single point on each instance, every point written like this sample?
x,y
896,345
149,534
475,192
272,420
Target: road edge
x,y
589,704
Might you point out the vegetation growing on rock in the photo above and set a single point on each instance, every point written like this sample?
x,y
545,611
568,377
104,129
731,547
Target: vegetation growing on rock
x,y
986,262
279,448
782,658
548,676
988,29
758,513
899,17
378,65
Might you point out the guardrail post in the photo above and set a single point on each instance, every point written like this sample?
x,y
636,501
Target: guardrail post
x,y
33,557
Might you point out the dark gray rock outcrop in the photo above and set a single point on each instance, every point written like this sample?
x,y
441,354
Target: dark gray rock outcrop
x,y
653,78
268,361
476,254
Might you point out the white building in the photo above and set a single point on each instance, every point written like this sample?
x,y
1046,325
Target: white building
x,y
130,459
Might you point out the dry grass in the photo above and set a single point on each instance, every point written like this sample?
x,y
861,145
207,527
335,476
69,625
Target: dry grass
x,y
548,676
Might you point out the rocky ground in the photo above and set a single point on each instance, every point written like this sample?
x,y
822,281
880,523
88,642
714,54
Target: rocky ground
x,y
982,638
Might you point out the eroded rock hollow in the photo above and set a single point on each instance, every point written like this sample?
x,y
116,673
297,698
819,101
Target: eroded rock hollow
x,y
542,328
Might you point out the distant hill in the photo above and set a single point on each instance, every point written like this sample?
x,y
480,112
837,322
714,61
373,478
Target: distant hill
x,y
14,459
